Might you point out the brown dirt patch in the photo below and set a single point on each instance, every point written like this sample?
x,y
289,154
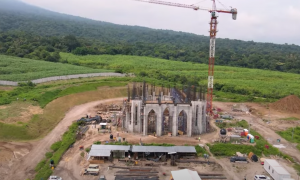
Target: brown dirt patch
x,y
7,88
3,107
5,155
288,104
18,112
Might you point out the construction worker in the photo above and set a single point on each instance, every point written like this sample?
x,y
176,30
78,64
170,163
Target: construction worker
x,y
199,138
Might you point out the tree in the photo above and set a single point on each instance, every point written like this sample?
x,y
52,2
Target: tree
x,y
71,42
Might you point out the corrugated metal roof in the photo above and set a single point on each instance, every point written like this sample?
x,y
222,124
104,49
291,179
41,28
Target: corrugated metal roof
x,y
281,170
169,149
149,149
272,162
185,174
184,149
99,152
111,147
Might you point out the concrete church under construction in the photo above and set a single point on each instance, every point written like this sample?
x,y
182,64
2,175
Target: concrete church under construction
x,y
162,111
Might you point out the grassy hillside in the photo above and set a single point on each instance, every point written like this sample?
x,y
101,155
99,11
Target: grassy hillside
x,y
19,69
250,83
107,38
42,124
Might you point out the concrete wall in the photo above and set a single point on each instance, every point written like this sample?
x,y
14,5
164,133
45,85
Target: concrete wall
x,y
136,106
174,110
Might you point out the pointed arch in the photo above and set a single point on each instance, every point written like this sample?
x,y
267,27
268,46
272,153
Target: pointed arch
x,y
152,122
182,122
166,122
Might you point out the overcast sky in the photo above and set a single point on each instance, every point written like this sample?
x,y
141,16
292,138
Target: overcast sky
x,y
276,21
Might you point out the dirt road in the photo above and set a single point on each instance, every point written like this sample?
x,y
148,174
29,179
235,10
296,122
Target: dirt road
x,y
24,167
262,128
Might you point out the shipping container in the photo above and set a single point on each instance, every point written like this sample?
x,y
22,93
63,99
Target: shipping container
x,y
276,170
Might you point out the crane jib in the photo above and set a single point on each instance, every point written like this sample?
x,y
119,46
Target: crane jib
x,y
213,33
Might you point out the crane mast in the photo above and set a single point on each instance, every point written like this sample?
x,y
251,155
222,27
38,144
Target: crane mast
x,y
212,32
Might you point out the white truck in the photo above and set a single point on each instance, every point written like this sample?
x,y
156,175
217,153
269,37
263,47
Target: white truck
x,y
55,178
93,169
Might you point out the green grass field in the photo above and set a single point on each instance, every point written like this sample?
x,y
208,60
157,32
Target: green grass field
x,y
230,83
66,95
292,135
22,69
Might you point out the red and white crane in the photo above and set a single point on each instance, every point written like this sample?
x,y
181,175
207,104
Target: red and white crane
x,y
213,32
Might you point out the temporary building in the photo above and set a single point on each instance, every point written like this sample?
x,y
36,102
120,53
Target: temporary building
x,y
185,174
106,150
164,149
276,170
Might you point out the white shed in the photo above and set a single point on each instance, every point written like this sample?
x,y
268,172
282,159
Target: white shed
x,y
117,150
276,170
185,174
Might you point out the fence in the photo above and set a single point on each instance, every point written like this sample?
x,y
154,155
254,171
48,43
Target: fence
x,y
55,78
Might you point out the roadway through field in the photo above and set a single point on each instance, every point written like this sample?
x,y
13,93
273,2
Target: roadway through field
x,y
24,167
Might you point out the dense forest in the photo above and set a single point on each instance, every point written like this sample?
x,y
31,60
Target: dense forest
x,y
32,32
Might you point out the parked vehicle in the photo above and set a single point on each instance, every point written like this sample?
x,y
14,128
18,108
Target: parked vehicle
x,y
236,158
102,177
259,177
55,178
90,171
93,166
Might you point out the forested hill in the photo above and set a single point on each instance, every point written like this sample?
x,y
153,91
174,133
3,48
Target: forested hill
x,y
98,37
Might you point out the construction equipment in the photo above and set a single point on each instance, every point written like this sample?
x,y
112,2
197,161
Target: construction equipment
x,y
97,119
213,32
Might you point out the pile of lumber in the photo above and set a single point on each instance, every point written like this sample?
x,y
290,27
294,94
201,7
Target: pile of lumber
x,y
205,176
137,174
194,161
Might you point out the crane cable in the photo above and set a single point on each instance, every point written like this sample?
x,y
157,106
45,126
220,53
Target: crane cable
x,y
223,5
199,2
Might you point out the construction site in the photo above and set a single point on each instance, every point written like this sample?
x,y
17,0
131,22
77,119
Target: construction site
x,y
168,133
105,147
120,154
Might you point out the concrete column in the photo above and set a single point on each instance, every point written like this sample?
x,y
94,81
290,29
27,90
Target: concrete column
x,y
126,120
145,123
204,118
189,122
130,122
159,121
200,119
153,96
175,122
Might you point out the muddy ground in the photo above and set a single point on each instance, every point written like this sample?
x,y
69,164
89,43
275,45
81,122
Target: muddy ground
x,y
73,163
17,160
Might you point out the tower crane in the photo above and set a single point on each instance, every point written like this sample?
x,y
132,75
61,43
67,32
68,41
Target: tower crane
x,y
212,33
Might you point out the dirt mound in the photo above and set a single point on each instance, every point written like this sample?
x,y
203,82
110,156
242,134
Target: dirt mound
x,y
288,104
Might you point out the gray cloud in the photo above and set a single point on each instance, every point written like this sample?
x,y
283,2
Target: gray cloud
x,y
274,21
